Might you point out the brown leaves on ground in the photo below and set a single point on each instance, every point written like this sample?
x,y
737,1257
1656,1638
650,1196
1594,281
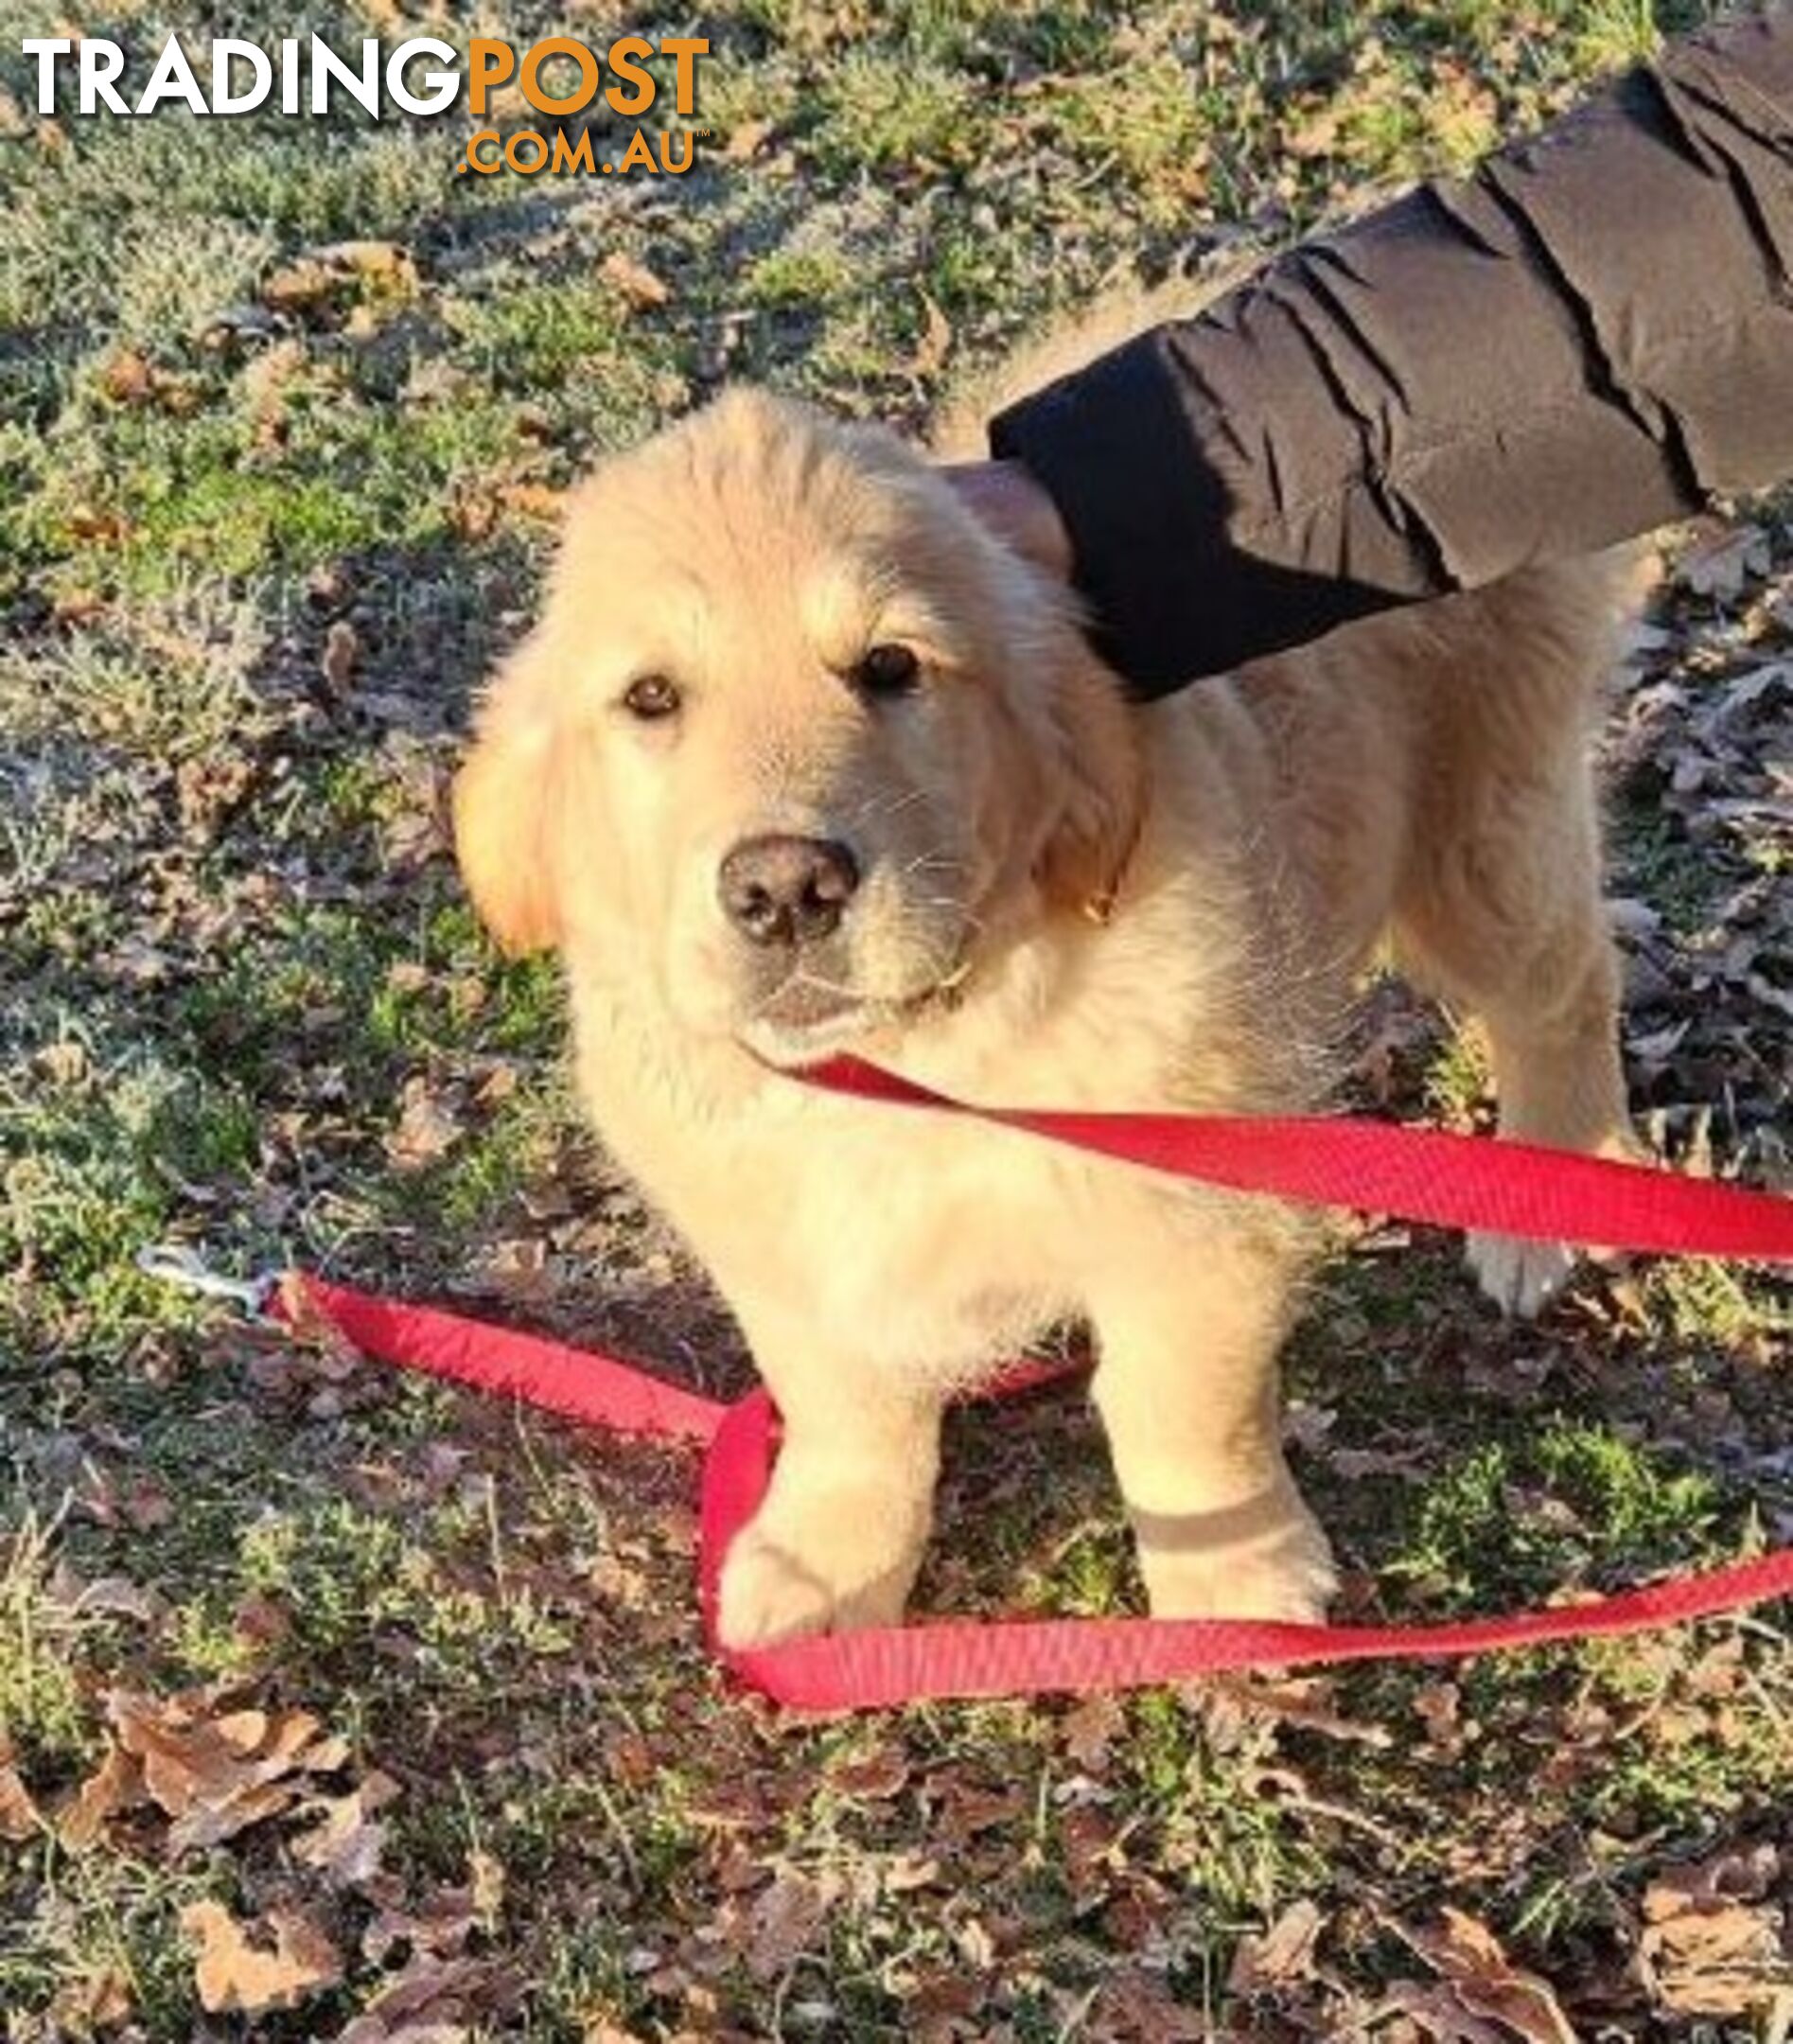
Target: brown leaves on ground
x,y
139,1503
215,1767
1715,1943
116,1785
1724,565
936,342
94,2000
341,649
1700,746
1139,2007
635,283
1272,1959
345,1844
441,1988
785,1920
212,1771
263,387
132,379
249,1968
431,2002
480,508
428,1125
434,1114
1090,1729
309,1349
323,278
19,1815
1480,1997
217,1775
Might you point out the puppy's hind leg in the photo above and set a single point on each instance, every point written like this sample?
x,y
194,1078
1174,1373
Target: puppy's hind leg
x,y
1559,1081
1507,919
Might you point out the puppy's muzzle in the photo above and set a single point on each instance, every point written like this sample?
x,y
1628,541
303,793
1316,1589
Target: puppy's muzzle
x,y
786,892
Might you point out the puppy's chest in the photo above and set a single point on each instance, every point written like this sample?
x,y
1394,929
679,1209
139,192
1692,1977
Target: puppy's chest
x,y
919,1244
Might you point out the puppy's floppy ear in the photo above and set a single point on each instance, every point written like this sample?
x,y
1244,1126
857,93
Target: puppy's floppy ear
x,y
504,799
1101,793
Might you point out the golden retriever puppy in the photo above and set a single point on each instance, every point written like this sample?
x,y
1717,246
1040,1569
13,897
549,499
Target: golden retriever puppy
x,y
802,759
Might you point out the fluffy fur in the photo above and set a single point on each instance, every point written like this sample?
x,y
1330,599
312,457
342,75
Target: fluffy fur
x,y
1063,901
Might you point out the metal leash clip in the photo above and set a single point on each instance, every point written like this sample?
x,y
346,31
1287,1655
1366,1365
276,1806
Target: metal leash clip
x,y
174,1263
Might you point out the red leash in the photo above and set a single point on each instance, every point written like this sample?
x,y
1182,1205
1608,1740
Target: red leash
x,y
1418,1174
1413,1173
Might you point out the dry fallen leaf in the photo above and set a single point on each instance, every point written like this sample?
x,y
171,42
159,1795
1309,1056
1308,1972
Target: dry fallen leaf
x,y
323,273
19,1817
641,289
116,1784
538,500
299,285
745,138
367,258
1712,1943
337,664
139,1502
345,1846
1140,2007
936,342
90,522
64,1062
218,1775
1720,569
1482,1991
236,1974
486,1881
427,1127
785,1920
440,1924
1273,1958
128,378
875,1779
1436,2013
94,2000
1318,135
1437,1705
430,2000
520,1270
1091,1729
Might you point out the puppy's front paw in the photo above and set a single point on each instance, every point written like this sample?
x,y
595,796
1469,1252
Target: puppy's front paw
x,y
1285,1572
772,1589
1520,1276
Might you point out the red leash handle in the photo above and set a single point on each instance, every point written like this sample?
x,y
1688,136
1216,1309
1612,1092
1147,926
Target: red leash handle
x,y
1413,1173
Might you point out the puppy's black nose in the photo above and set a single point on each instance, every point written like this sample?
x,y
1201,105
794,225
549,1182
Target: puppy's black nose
x,y
786,891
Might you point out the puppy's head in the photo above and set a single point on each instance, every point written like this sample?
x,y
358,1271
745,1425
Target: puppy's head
x,y
795,732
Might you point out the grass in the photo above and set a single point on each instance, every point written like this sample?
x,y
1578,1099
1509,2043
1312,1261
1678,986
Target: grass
x,y
234,946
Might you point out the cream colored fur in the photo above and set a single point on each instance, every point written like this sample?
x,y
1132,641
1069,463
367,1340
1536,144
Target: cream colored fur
x,y
1248,841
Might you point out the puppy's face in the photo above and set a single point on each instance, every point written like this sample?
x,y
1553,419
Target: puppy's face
x,y
796,733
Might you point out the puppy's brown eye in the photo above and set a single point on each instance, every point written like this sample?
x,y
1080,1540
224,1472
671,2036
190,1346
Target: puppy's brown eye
x,y
651,696
886,670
